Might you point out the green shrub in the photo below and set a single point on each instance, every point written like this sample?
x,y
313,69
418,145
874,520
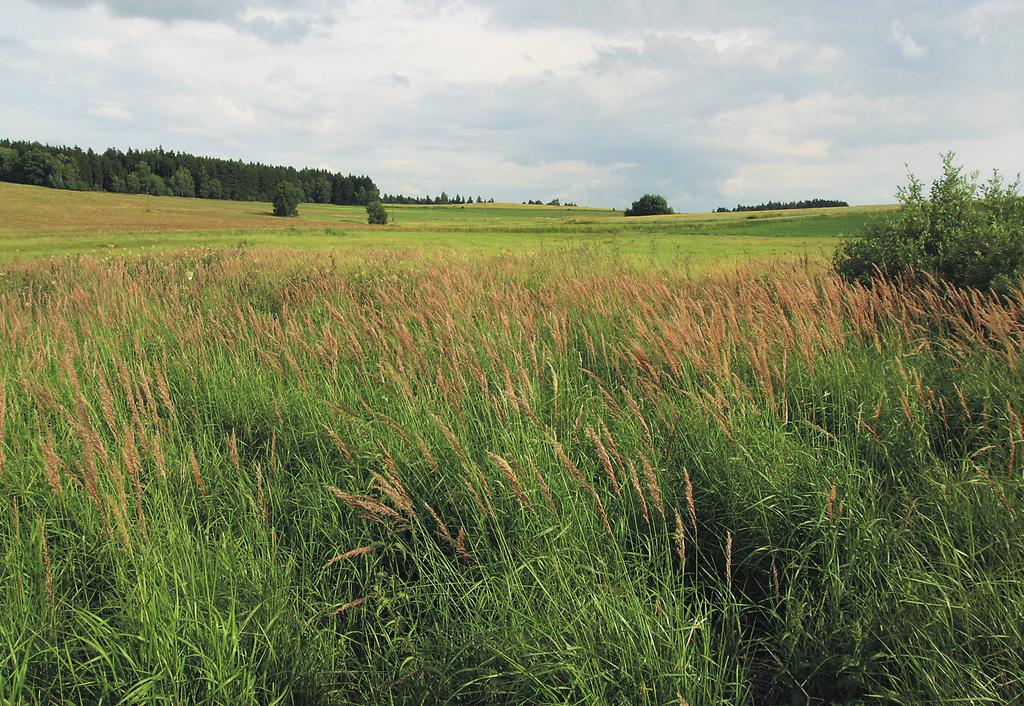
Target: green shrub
x,y
969,234
376,214
286,199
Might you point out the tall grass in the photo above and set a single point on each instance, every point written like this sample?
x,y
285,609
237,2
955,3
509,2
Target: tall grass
x,y
239,478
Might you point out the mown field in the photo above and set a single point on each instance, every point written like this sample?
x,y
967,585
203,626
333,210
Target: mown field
x,y
38,222
571,475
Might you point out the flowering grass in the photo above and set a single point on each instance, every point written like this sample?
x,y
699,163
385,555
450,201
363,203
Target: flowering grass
x,y
265,477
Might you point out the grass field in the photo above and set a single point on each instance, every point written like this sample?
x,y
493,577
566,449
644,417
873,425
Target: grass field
x,y
37,222
558,472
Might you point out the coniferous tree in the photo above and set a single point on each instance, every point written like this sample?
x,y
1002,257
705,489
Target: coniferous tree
x,y
786,205
164,172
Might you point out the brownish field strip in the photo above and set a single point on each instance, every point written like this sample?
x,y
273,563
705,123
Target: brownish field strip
x,y
27,209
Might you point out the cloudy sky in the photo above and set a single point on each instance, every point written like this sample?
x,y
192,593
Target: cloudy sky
x,y
595,101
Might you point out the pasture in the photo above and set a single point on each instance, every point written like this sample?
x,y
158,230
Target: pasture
x,y
496,455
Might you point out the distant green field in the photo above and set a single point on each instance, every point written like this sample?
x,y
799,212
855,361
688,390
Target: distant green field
x,y
37,222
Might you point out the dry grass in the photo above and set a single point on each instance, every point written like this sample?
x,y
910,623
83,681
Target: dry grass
x,y
190,441
30,209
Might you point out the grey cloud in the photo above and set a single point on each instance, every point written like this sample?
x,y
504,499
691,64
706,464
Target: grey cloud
x,y
647,14
634,14
301,18
286,31
160,10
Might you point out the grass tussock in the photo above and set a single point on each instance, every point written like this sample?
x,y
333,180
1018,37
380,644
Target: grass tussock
x,y
238,478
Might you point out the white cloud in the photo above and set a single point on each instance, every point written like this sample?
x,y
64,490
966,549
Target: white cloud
x,y
110,110
735,187
907,44
230,112
864,176
487,173
993,20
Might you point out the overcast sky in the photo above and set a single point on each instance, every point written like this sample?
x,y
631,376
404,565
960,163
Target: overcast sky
x,y
594,101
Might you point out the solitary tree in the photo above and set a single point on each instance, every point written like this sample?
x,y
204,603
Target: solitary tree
x,y
649,205
286,199
376,214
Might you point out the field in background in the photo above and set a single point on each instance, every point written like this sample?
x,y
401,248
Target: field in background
x,y
38,222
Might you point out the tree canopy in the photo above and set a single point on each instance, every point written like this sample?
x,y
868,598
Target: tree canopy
x,y
649,205
286,199
160,172
429,200
785,205
181,183
376,214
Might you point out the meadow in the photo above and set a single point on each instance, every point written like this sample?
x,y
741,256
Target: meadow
x,y
36,222
446,462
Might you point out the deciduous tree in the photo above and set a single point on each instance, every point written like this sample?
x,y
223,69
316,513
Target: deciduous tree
x,y
649,205
286,199
376,214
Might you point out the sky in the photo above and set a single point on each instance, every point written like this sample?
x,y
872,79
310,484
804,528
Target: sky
x,y
591,101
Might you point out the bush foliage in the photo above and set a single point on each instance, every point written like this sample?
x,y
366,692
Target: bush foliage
x,y
968,233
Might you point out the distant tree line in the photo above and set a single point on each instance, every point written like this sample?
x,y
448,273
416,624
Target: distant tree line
x,y
552,202
442,200
785,205
167,173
